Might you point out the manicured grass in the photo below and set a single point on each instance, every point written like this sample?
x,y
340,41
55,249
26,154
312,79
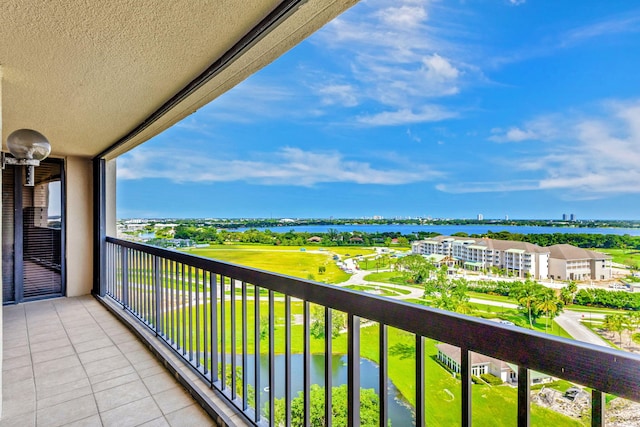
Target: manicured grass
x,y
598,310
630,257
490,297
284,260
391,277
372,289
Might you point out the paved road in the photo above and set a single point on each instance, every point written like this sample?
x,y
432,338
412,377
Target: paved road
x,y
570,322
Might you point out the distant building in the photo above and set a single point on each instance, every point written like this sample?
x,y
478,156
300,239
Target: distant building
x,y
568,262
521,258
506,217
564,217
480,217
572,217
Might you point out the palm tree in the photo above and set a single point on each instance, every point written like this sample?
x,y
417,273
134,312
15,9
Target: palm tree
x,y
550,304
527,294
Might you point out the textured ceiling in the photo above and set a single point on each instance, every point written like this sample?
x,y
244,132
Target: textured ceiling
x,y
85,73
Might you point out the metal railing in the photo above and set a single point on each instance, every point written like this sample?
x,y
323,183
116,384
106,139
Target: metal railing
x,y
173,293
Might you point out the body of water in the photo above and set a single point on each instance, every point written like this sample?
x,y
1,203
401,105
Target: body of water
x,y
400,413
450,229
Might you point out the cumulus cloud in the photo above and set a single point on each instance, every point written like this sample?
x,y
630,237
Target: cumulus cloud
x,y
587,156
288,166
393,58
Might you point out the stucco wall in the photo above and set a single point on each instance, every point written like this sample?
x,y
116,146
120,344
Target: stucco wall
x,y
79,226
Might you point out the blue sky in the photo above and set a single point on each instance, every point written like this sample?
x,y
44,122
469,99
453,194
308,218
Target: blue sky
x,y
529,109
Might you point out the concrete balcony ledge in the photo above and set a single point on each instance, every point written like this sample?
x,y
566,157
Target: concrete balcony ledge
x,y
71,362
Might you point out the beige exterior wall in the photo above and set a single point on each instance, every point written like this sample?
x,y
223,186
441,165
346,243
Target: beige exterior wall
x,y
79,226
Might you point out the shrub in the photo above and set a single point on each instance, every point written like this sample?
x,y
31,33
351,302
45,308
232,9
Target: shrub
x,y
491,379
476,380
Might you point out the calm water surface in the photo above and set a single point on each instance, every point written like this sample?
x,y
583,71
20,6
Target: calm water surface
x,y
400,413
450,229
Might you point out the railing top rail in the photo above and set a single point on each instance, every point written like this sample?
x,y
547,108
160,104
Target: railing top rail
x,y
605,369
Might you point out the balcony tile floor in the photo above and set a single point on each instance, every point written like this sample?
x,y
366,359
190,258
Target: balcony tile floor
x,y
69,362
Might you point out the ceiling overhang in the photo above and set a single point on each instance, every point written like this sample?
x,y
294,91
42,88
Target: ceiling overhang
x,y
92,74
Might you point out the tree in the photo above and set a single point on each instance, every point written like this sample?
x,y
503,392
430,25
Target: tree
x,y
316,329
550,304
527,294
415,268
615,323
369,408
568,293
450,294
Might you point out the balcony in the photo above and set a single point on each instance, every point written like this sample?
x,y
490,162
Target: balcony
x,y
68,361
170,293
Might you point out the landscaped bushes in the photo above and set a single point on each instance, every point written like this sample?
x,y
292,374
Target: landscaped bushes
x,y
497,287
491,379
609,299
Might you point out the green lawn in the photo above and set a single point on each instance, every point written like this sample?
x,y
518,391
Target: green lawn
x,y
284,260
630,257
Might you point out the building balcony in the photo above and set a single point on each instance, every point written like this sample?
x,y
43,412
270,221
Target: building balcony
x,y
169,295
68,361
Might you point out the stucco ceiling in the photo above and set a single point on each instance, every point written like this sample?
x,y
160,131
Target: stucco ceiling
x,y
85,73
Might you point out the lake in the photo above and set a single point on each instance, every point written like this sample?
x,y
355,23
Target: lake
x,y
400,412
447,230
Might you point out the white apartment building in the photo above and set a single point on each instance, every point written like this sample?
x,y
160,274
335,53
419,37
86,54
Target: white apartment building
x,y
521,258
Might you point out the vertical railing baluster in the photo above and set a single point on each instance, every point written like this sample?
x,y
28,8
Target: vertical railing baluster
x,y
232,303
158,296
172,292
272,360
178,314
328,368
465,376
183,310
383,375
245,350
190,305
205,322
256,332
197,317
223,332
214,327
165,298
124,259
597,408
307,362
524,392
353,373
420,367
287,360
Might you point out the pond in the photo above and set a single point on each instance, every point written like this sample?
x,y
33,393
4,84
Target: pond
x,y
400,412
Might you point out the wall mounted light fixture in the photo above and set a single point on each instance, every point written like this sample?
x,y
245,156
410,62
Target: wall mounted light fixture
x,y
28,148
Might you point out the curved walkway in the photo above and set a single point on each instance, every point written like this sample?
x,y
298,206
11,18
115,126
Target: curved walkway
x,y
568,320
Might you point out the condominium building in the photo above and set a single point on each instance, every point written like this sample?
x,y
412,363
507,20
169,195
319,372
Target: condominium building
x,y
560,262
521,258
568,262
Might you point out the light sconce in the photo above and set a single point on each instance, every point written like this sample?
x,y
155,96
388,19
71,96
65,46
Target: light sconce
x,y
28,148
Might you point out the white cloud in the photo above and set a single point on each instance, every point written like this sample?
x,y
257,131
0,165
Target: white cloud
x,y
341,94
542,129
393,58
430,113
586,157
613,25
288,166
517,2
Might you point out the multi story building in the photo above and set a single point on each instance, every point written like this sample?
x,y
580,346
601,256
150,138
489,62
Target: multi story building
x,y
521,258
560,262
568,262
